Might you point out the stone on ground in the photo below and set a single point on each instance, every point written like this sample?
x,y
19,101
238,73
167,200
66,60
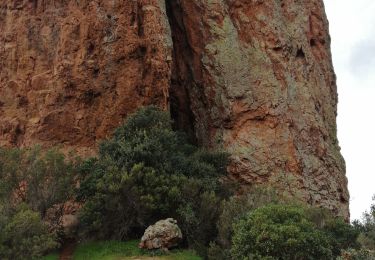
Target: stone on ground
x,y
164,234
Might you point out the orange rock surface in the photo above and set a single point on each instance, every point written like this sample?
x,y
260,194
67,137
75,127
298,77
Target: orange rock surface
x,y
252,76
72,70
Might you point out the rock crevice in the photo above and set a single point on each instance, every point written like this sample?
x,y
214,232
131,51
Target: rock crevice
x,y
182,81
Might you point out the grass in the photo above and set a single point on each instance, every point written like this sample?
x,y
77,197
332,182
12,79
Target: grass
x,y
116,250
53,256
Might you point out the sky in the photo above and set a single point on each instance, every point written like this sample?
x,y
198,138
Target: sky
x,y
352,28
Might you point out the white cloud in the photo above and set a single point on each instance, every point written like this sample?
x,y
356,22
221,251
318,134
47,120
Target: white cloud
x,y
352,27
362,59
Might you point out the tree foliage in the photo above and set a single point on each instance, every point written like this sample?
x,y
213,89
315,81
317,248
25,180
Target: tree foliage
x,y
279,232
31,182
147,172
367,229
234,209
23,235
34,177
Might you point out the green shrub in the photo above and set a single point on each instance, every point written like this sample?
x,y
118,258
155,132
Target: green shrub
x,y
147,137
147,172
234,209
31,182
342,235
360,254
124,203
23,235
367,229
197,218
279,232
39,179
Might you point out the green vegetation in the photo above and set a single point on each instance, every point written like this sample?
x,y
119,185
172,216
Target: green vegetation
x,y
31,181
107,250
353,254
53,256
366,238
233,210
367,228
279,232
116,250
36,178
23,235
275,223
147,172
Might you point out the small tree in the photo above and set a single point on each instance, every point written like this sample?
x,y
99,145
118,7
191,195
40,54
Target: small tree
x,y
279,232
31,182
39,179
23,235
367,229
146,172
234,209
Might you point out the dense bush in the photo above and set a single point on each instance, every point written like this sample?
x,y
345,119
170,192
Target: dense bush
x,y
23,235
279,232
121,203
147,137
234,209
147,172
31,182
36,178
367,229
342,236
353,254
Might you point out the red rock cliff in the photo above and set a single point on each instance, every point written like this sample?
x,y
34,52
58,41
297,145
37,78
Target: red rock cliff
x,y
252,76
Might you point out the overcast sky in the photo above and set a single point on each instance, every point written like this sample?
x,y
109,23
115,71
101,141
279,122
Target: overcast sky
x,y
352,27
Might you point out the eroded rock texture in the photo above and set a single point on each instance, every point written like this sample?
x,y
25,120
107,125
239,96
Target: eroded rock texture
x,y
252,76
260,82
72,70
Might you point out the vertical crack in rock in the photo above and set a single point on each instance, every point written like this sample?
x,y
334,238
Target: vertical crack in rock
x,y
181,78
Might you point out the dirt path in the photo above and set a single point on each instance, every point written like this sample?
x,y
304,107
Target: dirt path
x,y
68,250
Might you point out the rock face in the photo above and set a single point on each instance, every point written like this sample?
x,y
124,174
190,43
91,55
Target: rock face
x,y
252,76
164,234
72,70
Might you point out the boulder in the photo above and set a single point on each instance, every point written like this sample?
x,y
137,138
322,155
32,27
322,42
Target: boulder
x,y
164,234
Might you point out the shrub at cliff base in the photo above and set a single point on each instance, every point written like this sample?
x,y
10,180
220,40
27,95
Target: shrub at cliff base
x,y
23,235
279,231
148,172
234,209
31,182
354,254
367,228
366,238
37,178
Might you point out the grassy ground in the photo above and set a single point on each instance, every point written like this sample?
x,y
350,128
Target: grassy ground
x,y
114,250
54,256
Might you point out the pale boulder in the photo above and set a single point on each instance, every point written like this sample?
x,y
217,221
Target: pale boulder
x,y
164,234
